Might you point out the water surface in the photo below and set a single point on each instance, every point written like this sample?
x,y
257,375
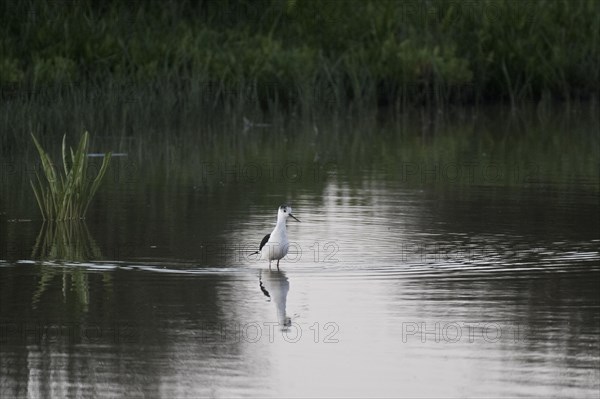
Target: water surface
x,y
445,265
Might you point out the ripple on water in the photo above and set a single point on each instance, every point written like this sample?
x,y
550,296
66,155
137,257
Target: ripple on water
x,y
511,263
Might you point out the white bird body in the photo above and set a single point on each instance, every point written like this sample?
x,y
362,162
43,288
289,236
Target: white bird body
x,y
275,246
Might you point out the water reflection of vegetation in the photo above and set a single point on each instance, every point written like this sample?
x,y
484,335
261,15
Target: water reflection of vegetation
x,y
65,241
291,156
70,241
495,148
74,287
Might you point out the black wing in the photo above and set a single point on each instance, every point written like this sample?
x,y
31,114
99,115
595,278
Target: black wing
x,y
264,241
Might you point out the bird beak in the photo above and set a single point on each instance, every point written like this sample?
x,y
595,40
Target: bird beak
x,y
294,217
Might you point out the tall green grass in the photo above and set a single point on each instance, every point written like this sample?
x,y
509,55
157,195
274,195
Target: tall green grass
x,y
308,54
67,196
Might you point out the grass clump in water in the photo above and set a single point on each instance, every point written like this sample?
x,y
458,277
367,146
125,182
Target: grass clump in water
x,y
67,197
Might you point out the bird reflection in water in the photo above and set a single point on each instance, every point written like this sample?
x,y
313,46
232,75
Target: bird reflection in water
x,y
274,285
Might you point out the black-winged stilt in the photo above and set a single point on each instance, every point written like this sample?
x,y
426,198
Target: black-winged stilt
x,y
275,246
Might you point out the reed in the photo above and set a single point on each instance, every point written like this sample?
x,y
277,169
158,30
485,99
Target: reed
x,y
305,54
67,196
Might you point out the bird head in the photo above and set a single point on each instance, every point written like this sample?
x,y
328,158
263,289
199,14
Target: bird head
x,y
285,211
